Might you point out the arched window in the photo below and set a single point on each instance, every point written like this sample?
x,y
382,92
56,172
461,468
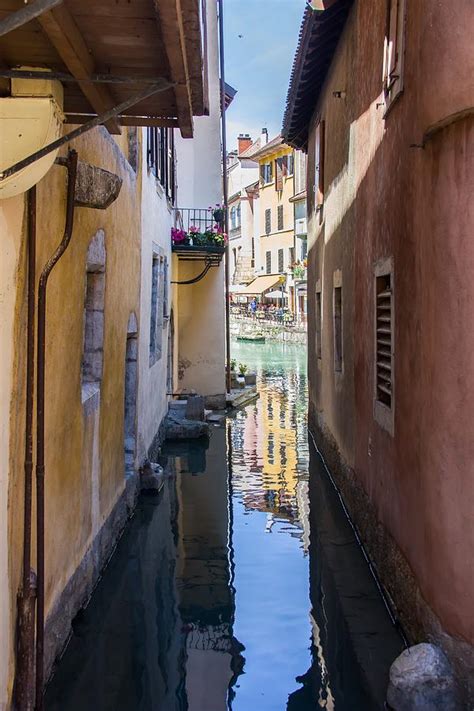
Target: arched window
x,y
93,345
238,216
232,218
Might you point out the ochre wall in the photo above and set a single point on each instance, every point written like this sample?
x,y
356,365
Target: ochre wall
x,y
76,506
271,198
387,197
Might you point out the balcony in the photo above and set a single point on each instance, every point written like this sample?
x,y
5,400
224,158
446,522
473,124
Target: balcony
x,y
198,235
301,228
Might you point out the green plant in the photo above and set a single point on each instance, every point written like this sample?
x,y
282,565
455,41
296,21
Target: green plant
x,y
242,368
233,364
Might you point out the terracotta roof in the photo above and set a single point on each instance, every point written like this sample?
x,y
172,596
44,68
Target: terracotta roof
x,y
319,35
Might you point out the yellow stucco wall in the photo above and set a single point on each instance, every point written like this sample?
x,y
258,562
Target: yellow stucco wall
x,y
271,198
76,505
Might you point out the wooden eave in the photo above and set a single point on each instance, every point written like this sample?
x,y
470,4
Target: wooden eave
x,y
136,40
318,40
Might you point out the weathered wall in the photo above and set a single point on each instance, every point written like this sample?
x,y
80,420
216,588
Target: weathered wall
x,y
387,198
84,436
12,226
156,222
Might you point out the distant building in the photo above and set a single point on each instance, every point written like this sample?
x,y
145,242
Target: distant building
x,y
381,99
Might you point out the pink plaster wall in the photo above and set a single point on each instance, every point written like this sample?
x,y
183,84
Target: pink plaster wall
x,y
389,199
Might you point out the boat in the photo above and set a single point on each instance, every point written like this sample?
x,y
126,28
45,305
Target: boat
x,y
252,339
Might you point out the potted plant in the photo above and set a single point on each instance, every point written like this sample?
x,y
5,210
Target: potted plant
x,y
219,214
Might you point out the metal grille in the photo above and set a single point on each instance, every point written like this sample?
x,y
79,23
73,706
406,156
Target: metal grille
x,y
383,308
268,221
280,217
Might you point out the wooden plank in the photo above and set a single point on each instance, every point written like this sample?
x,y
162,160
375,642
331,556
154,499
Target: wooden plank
x,y
170,20
19,18
66,38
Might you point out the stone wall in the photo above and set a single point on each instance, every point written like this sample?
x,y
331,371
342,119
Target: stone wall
x,y
272,331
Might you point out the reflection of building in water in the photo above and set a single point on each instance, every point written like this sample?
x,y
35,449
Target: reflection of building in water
x,y
266,452
205,594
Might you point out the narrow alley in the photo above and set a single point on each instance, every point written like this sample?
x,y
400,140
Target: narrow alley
x,y
218,596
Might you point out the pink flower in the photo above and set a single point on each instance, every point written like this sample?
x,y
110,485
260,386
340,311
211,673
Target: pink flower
x,y
178,236
194,230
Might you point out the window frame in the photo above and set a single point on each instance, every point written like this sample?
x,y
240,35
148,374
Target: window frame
x,y
394,52
318,187
338,327
383,414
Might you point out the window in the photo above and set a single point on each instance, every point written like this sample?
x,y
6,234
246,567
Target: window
x,y
161,158
266,173
290,164
292,255
337,310
318,323
238,217
94,304
394,46
280,170
300,172
156,306
304,248
268,221
319,169
383,339
280,217
233,218
268,258
280,261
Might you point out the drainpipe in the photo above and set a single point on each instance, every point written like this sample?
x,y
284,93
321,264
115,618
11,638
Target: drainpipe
x,y
71,165
224,193
24,696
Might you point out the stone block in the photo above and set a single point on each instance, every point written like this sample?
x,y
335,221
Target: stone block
x,y
195,408
177,428
152,477
250,378
421,679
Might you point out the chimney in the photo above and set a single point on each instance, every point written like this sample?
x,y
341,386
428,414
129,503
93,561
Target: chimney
x,y
244,142
264,137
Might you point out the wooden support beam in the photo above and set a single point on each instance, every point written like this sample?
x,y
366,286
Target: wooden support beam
x,y
144,121
170,19
64,34
26,14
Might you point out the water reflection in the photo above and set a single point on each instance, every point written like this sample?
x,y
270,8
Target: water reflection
x,y
218,598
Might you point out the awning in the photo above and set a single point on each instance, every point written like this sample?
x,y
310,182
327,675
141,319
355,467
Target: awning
x,y
276,295
107,53
262,284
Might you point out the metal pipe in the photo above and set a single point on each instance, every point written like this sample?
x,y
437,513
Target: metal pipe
x,y
26,14
97,121
26,598
224,193
40,421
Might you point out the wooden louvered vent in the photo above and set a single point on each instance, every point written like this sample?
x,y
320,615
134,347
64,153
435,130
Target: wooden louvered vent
x,y
384,337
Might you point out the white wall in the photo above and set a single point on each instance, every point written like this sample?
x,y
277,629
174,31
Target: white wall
x,y
156,222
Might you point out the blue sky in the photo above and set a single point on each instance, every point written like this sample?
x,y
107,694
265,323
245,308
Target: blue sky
x,y
258,64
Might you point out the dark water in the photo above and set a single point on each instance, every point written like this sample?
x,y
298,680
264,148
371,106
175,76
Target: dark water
x,y
219,597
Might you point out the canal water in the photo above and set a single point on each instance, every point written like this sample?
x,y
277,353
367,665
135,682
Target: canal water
x,y
241,586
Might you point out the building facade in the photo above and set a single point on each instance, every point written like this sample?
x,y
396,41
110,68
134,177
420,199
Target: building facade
x,y
390,294
116,327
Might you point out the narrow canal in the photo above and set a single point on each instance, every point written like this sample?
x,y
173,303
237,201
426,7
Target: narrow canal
x,y
241,586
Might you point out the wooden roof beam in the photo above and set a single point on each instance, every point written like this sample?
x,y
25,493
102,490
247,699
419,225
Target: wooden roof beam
x,y
64,34
170,18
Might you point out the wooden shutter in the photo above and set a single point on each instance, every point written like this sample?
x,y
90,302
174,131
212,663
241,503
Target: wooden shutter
x,y
280,217
280,261
268,257
383,315
268,221
262,174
